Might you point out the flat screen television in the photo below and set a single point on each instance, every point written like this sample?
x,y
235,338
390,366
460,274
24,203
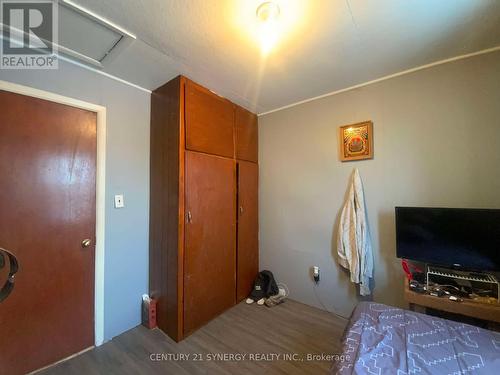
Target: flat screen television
x,y
449,237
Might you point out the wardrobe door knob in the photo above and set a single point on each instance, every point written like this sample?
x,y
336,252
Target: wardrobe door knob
x,y
86,242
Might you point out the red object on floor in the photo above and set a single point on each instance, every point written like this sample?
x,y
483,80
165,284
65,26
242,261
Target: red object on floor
x,y
152,314
149,313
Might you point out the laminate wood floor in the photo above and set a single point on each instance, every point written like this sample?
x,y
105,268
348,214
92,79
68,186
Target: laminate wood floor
x,y
255,331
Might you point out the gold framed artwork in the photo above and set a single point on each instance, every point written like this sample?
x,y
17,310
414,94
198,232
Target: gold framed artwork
x,y
356,141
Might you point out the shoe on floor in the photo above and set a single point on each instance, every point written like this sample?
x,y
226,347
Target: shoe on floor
x,y
276,299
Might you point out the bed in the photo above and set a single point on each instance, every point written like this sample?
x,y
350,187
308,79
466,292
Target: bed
x,y
381,339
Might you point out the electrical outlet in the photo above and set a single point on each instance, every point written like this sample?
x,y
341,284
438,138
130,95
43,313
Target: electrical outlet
x,y
315,273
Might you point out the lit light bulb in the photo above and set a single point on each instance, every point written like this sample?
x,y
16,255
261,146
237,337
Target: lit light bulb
x,y
268,13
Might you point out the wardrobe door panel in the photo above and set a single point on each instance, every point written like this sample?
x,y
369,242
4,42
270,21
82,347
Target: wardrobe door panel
x,y
210,253
248,228
209,122
246,135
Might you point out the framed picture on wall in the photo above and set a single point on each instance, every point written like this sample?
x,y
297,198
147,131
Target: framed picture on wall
x,y
356,141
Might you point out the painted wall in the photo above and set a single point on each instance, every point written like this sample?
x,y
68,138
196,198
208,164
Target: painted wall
x,y
127,172
437,143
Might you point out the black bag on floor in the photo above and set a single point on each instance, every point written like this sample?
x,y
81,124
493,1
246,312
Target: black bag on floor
x,y
264,286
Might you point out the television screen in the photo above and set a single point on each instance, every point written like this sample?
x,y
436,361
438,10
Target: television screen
x,y
450,237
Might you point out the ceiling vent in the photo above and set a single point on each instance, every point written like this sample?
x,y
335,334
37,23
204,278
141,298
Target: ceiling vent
x,y
88,37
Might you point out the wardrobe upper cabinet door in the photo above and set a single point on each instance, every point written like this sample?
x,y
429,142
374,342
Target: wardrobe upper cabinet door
x,y
246,135
209,121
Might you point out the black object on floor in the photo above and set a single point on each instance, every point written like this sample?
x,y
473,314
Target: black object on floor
x,y
264,286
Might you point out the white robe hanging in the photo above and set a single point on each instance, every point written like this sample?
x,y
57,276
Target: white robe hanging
x,y
353,242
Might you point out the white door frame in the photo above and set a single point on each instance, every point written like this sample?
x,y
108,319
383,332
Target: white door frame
x,y
100,190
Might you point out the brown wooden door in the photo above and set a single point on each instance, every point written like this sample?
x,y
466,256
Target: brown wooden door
x,y
209,121
248,228
47,207
210,254
246,125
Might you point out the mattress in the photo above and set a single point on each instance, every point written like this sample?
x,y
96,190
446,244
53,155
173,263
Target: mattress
x,y
381,339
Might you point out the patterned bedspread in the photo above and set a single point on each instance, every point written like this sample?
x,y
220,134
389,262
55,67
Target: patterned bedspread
x,y
385,340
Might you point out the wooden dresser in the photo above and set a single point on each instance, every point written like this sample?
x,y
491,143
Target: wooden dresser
x,y
203,205
420,302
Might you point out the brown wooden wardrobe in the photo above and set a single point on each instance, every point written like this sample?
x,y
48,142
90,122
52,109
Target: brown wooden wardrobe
x,y
203,205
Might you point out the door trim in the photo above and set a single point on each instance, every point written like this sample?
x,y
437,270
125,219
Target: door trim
x,y
100,189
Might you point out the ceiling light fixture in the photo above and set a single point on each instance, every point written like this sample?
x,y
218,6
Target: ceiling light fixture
x,y
268,14
268,11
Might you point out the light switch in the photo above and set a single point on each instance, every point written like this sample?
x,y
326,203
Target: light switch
x,y
119,203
